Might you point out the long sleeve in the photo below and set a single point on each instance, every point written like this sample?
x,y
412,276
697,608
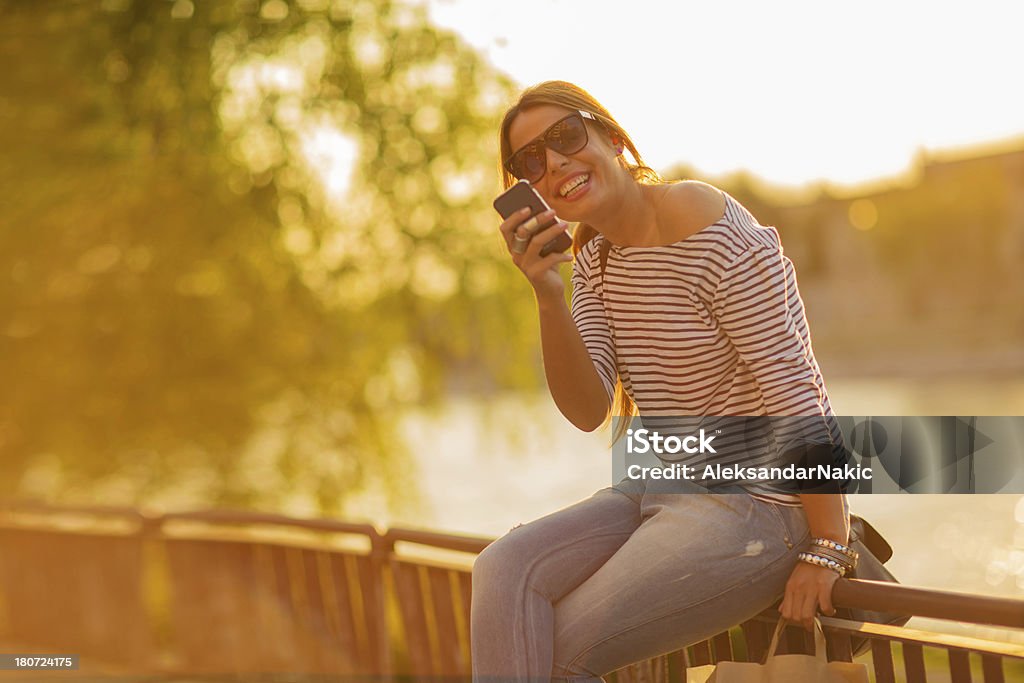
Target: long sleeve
x,y
589,315
758,306
752,304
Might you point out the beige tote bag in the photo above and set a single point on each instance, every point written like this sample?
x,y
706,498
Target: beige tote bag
x,y
783,668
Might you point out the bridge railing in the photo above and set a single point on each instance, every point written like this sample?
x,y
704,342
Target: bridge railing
x,y
210,592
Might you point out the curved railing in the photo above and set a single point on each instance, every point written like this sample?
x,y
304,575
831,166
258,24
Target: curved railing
x,y
240,592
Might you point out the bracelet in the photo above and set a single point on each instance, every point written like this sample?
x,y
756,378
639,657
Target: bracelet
x,y
835,545
839,557
823,562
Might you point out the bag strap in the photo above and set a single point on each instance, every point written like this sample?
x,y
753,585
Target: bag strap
x,y
819,641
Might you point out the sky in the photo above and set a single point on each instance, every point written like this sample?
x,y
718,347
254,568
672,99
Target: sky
x,y
794,91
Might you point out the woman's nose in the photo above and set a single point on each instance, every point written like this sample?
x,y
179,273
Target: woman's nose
x,y
555,160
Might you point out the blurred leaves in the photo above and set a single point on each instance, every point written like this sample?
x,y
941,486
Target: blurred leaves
x,y
237,240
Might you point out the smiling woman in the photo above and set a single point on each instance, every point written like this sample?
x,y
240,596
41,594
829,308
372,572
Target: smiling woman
x,y
682,305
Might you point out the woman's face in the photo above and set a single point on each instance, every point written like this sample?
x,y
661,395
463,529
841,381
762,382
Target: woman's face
x,y
594,168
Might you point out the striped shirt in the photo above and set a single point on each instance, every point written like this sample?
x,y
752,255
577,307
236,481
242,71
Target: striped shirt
x,y
712,325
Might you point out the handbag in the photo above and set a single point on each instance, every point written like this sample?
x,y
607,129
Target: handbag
x,y
783,668
874,551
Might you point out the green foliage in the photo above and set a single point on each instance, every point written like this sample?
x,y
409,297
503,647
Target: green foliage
x,y
196,304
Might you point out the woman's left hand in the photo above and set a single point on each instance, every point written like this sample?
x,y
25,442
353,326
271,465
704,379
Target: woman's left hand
x,y
808,587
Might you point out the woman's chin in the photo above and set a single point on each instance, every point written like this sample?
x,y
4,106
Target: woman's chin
x,y
575,208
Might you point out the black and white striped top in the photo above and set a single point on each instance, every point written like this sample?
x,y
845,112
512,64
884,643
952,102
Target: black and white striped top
x,y
712,325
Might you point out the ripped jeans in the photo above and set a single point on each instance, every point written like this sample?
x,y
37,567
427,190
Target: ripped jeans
x,y
630,573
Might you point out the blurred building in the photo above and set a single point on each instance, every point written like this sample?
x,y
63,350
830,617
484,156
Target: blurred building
x,y
924,271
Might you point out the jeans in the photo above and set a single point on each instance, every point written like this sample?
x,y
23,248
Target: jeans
x,y
634,571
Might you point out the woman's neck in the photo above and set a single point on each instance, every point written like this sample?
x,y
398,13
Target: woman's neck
x,y
633,220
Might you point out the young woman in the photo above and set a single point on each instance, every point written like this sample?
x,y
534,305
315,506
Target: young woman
x,y
682,304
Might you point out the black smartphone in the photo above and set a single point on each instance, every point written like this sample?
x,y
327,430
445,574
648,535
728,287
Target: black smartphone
x,y
522,194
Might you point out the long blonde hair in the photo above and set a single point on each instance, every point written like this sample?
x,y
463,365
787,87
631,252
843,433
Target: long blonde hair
x,y
563,94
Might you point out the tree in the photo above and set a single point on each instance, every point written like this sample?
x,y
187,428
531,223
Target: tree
x,y
195,294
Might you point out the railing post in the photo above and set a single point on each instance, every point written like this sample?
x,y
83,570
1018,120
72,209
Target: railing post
x,y
382,547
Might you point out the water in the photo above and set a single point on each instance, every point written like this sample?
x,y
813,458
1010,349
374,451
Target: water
x,y
482,469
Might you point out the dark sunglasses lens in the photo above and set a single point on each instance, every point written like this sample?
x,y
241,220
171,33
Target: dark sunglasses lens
x,y
528,163
568,136
534,165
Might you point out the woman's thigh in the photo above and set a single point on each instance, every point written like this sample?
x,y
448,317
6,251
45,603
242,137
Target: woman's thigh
x,y
698,564
554,554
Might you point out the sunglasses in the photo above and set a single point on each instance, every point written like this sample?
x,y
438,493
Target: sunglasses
x,y
565,136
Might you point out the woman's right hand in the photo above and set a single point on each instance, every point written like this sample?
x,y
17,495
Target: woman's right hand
x,y
541,271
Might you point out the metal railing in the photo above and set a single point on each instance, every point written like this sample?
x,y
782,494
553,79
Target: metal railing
x,y
238,592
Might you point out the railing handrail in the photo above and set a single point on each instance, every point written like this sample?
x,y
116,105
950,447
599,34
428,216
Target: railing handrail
x,y
928,602
35,506
860,593
434,539
242,517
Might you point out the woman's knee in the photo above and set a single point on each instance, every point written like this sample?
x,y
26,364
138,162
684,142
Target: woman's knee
x,y
503,559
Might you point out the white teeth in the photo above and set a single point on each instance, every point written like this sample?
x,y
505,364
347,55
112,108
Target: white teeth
x,y
570,186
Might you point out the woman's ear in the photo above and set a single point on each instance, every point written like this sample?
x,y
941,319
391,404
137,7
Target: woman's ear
x,y
616,141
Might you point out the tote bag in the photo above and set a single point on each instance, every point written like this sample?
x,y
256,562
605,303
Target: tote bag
x,y
783,668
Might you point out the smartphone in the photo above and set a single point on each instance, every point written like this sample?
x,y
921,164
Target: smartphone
x,y
522,194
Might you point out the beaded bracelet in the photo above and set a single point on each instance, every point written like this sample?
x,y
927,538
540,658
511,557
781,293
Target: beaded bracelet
x,y
835,545
823,562
839,557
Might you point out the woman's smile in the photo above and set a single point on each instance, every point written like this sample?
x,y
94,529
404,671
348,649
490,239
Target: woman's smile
x,y
575,187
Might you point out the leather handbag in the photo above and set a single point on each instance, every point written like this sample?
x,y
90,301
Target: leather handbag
x,y
874,552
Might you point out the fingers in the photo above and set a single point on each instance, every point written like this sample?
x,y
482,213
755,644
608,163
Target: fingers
x,y
807,588
522,224
799,607
808,610
825,600
551,232
509,225
525,240
786,608
526,246
799,610
541,238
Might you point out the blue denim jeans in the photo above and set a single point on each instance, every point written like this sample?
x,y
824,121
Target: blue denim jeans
x,y
636,570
